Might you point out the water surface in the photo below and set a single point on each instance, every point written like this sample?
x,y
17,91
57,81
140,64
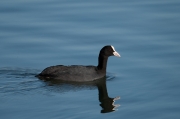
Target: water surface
x,y
36,34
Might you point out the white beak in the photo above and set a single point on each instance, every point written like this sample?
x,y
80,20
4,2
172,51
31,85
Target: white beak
x,y
116,54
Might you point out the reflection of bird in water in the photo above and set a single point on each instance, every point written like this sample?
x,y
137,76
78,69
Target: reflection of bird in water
x,y
107,103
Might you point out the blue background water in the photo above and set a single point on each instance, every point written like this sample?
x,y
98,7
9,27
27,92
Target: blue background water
x,y
39,33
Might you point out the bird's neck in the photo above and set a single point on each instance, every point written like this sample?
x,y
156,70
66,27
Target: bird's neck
x,y
102,62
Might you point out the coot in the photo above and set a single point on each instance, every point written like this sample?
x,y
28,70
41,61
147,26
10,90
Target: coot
x,y
79,73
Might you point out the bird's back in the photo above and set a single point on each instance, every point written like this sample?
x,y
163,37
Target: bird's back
x,y
72,73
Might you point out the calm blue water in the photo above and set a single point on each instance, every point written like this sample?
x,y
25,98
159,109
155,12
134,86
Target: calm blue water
x,y
39,33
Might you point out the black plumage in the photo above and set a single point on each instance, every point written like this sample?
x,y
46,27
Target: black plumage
x,y
80,73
